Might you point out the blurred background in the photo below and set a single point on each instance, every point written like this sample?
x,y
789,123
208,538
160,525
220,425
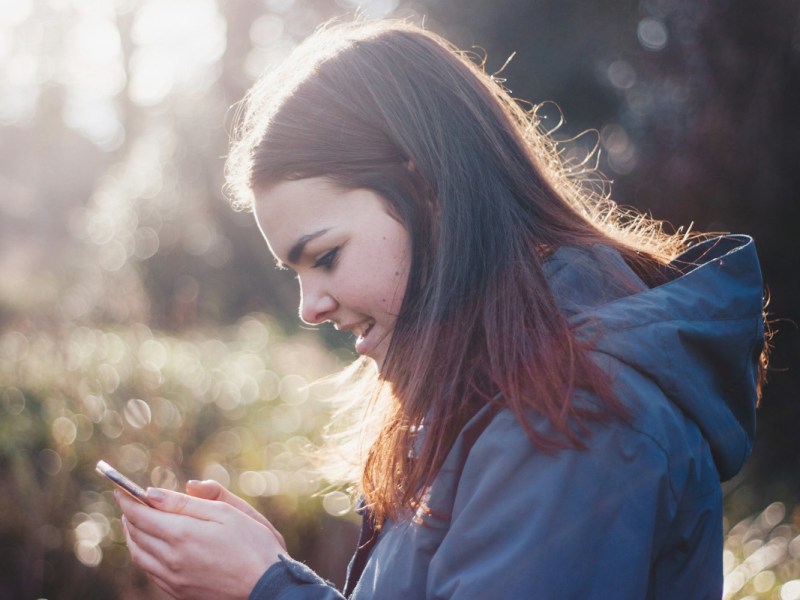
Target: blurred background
x,y
141,319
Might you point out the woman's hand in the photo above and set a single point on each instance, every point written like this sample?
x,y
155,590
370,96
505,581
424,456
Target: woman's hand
x,y
199,548
211,490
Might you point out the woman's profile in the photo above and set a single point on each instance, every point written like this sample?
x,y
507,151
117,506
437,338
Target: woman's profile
x,y
556,386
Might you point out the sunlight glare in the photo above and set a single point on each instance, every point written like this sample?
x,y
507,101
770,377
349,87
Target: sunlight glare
x,y
218,473
14,12
336,503
164,478
266,30
94,40
791,590
177,42
19,91
133,458
88,554
137,413
90,67
279,6
96,119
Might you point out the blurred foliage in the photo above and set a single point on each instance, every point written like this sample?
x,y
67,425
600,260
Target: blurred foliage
x,y
231,404
762,556
132,299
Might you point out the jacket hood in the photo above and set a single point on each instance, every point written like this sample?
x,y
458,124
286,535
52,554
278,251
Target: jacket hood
x,y
698,336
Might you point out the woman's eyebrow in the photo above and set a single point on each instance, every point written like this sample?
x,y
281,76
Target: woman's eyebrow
x,y
297,250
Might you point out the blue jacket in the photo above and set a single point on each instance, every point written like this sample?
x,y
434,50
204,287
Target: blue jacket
x,y
638,514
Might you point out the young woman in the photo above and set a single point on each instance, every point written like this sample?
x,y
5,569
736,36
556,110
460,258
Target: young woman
x,y
560,386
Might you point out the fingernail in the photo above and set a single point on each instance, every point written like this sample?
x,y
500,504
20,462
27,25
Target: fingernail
x,y
155,494
193,482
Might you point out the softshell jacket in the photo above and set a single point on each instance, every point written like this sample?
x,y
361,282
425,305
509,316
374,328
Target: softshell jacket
x,y
636,515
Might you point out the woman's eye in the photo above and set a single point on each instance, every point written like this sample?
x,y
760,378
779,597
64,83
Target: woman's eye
x,y
327,260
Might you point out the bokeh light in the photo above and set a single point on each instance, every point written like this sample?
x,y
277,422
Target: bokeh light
x,y
652,34
125,276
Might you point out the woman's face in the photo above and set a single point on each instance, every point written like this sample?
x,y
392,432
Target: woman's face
x,y
350,255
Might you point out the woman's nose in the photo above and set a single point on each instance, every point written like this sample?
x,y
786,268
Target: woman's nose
x,y
316,306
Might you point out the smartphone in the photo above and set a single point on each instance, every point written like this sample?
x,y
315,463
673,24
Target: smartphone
x,y
135,491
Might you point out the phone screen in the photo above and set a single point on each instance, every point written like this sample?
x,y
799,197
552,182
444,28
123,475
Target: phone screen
x,y
125,484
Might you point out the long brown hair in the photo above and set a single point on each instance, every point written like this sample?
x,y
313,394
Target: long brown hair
x,y
485,198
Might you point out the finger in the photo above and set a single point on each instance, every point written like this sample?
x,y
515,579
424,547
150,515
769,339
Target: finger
x,y
208,489
129,507
212,490
139,553
124,525
134,511
153,545
184,504
157,524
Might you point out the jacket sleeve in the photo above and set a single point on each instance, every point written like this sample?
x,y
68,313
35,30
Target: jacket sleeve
x,y
289,579
575,524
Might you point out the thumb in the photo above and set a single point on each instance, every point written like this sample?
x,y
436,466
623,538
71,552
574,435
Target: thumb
x,y
208,489
212,490
177,503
